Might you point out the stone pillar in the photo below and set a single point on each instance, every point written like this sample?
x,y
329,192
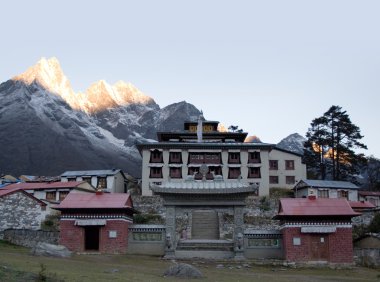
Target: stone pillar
x,y
239,233
171,240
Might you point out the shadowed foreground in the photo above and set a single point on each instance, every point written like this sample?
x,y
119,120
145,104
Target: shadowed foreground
x,y
16,264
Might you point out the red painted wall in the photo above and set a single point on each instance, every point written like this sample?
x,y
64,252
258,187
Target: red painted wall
x,y
72,237
340,245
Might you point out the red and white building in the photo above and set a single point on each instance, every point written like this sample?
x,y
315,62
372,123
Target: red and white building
x,y
96,222
316,230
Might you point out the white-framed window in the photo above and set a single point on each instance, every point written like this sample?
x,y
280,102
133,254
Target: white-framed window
x,y
296,241
112,234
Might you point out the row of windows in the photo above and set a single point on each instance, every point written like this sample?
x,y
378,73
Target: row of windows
x,y
156,156
289,164
233,172
325,193
102,181
289,180
52,195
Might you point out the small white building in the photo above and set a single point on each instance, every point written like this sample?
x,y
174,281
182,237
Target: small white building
x,y
326,189
110,180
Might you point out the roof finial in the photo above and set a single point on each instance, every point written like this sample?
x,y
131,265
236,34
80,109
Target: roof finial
x,y
200,128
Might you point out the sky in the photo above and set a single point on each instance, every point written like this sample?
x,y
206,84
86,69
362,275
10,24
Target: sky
x,y
269,67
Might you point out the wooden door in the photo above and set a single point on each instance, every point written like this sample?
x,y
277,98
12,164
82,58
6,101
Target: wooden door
x,y
319,247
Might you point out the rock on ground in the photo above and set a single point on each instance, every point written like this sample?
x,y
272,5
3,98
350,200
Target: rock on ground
x,y
45,249
183,270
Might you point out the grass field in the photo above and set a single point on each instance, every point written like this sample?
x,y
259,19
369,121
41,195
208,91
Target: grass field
x,y
16,264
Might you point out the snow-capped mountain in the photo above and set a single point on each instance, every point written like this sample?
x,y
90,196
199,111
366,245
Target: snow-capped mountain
x,y
47,128
294,143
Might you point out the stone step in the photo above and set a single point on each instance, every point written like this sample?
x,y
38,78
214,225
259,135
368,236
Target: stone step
x,y
216,245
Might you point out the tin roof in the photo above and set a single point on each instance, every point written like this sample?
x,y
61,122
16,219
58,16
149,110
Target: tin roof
x,y
103,172
290,207
361,205
43,185
96,201
325,184
191,186
368,193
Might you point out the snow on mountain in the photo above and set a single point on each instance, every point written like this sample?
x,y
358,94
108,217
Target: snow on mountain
x,y
294,143
47,128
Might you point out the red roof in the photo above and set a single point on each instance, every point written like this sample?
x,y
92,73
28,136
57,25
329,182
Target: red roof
x,y
362,205
314,207
94,200
42,185
369,193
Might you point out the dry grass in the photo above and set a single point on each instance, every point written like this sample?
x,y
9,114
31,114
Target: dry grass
x,y
16,264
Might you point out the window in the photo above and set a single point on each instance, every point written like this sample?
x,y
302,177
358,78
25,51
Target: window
x,y
234,172
254,157
51,196
323,193
208,158
217,170
175,172
87,179
273,164
290,180
62,195
234,158
289,165
273,179
343,194
296,241
155,172
112,234
175,157
254,172
102,183
156,156
193,170
71,179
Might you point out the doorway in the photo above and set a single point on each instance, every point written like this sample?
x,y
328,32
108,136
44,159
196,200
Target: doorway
x,y
319,247
91,238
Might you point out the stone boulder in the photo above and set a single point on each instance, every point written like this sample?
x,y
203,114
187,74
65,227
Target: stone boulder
x,y
50,250
183,270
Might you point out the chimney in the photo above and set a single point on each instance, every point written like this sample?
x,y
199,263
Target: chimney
x,y
311,195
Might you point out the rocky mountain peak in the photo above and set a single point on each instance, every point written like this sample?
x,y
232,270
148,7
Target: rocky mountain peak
x,y
294,142
48,74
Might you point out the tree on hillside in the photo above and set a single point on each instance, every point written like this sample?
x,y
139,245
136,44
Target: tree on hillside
x,y
373,173
331,139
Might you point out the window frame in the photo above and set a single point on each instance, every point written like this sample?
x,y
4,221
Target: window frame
x,y
271,166
155,174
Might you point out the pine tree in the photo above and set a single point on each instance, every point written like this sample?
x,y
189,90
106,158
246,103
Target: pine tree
x,y
330,143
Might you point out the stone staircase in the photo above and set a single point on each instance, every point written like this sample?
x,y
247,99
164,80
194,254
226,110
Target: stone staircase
x,y
202,248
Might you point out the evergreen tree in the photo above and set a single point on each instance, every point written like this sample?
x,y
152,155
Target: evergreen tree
x,y
330,143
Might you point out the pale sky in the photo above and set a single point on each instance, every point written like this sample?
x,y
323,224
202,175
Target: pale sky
x,y
268,66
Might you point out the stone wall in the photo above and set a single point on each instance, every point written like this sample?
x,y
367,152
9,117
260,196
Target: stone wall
x,y
258,213
367,257
29,238
146,239
19,211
